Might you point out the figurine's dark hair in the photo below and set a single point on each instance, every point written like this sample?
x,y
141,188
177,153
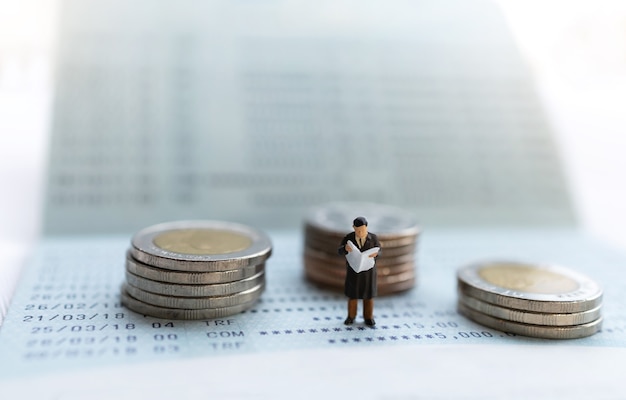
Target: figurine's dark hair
x,y
359,221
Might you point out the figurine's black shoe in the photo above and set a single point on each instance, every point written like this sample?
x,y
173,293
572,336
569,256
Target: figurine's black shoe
x,y
349,321
370,322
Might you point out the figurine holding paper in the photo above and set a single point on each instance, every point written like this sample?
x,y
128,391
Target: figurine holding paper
x,y
361,249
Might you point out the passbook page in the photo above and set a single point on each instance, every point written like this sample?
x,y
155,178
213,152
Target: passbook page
x,y
252,112
66,314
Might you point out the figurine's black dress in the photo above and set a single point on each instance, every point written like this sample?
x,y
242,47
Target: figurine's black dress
x,y
363,284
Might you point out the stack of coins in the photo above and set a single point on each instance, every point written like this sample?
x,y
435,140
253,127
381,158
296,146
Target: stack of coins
x,y
397,230
195,269
543,301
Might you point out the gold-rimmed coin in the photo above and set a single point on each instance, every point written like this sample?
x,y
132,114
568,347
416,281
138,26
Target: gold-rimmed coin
x,y
539,331
194,303
200,246
530,287
175,289
189,278
532,318
178,313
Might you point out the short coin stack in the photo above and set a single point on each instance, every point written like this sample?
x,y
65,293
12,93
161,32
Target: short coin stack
x,y
544,301
195,269
396,229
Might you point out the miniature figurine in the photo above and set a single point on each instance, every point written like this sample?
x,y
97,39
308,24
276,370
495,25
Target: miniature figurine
x,y
361,249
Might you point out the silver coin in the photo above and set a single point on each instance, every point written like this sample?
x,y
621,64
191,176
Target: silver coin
x,y
328,240
396,229
331,247
337,259
201,246
530,287
177,313
340,269
175,289
530,317
546,332
386,221
383,289
338,275
194,303
190,278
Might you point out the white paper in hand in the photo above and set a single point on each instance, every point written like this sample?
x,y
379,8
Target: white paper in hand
x,y
358,261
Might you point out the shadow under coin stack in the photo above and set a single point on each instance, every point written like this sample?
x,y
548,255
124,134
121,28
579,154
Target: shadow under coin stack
x,y
195,269
543,301
397,230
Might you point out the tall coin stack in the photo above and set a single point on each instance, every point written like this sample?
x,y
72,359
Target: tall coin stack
x,y
195,269
326,225
544,301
